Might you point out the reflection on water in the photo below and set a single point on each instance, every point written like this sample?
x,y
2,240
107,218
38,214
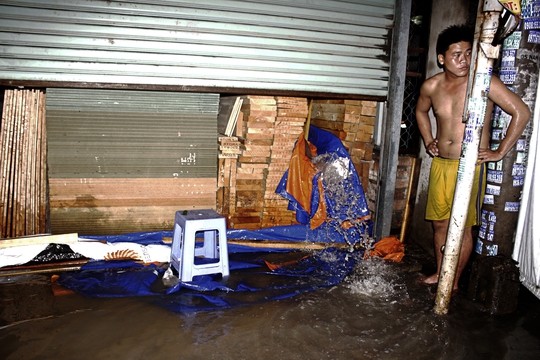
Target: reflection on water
x,y
381,311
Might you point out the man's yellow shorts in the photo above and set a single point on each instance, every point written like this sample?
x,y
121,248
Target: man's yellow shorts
x,y
442,183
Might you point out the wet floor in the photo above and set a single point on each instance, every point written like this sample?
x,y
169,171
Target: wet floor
x,y
381,311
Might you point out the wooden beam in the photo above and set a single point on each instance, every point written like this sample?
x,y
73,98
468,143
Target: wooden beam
x,y
276,244
40,239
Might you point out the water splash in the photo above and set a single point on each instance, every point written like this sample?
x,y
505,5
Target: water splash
x,y
336,174
377,279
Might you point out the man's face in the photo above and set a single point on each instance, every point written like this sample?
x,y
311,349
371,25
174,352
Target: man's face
x,y
457,59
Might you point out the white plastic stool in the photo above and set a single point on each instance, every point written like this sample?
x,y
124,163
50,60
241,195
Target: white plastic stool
x,y
185,251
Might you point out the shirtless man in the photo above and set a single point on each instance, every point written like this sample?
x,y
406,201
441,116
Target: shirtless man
x,y
445,93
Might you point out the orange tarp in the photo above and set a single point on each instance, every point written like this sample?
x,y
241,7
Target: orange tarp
x,y
299,181
388,248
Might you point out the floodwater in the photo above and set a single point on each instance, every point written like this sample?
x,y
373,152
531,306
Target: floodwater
x,y
380,311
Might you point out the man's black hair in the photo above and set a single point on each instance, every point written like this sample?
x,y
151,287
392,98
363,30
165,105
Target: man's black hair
x,y
451,35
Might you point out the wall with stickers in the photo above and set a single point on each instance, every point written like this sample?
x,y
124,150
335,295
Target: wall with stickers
x,y
518,69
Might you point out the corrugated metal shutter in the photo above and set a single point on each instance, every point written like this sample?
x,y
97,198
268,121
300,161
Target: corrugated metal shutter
x,y
131,134
303,45
122,161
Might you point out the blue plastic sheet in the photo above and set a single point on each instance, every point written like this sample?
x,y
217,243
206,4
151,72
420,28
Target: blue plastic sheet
x,y
337,213
251,280
281,233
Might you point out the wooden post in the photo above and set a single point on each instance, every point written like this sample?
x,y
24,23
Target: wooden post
x,y
406,212
308,120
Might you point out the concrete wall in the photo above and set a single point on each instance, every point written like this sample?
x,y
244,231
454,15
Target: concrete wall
x,y
444,14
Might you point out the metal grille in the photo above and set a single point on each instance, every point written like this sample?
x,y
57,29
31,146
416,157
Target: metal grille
x,y
409,136
416,62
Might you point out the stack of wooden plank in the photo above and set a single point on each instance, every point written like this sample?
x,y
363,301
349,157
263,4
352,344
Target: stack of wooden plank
x,y
292,113
229,147
258,128
259,116
362,149
23,170
352,121
270,128
340,117
229,150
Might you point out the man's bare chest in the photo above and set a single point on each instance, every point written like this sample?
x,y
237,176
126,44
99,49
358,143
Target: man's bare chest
x,y
449,105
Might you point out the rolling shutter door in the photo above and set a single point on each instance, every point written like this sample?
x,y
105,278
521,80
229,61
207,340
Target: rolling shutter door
x,y
327,46
122,160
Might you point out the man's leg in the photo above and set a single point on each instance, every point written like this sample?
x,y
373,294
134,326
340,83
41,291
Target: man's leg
x,y
440,228
466,249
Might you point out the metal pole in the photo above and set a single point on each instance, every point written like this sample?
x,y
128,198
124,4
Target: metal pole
x,y
484,55
390,147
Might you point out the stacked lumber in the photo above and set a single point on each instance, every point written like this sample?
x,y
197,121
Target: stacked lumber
x,y
362,149
270,127
258,128
23,191
340,117
230,124
259,116
229,147
292,113
229,150
353,122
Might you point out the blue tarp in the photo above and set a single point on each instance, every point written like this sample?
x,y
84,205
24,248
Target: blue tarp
x,y
278,233
353,205
250,279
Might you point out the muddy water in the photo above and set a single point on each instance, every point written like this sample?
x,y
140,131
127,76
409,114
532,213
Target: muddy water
x,y
379,312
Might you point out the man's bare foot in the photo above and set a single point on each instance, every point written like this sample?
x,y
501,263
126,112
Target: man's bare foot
x,y
433,280
430,280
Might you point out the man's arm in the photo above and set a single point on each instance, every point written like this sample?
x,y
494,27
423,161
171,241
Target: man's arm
x,y
424,124
486,130
514,106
